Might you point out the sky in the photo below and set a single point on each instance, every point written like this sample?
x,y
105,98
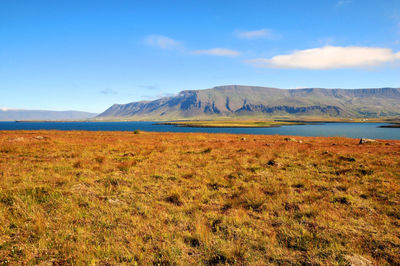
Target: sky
x,y
89,54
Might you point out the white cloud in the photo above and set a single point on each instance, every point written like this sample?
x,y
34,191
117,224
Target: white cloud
x,y
162,42
256,34
330,57
218,52
5,109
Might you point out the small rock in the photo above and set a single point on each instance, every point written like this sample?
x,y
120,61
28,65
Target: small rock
x,y
357,260
18,139
39,137
293,140
267,144
243,139
114,201
348,159
128,154
271,163
365,141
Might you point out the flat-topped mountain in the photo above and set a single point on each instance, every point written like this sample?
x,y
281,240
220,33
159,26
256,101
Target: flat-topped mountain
x,y
19,114
251,101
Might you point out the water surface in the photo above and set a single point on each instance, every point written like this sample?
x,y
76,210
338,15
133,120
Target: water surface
x,y
352,130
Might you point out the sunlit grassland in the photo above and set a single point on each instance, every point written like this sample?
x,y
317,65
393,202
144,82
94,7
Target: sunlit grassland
x,y
172,198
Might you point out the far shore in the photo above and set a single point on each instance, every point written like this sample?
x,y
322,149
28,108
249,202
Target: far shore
x,y
395,125
230,124
240,123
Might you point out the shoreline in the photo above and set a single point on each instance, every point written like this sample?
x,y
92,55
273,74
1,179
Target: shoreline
x,y
391,125
178,124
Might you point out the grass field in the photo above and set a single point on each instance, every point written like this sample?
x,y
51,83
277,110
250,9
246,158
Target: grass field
x,y
176,199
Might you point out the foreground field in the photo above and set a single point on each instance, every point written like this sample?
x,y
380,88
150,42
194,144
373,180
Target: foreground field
x,y
168,198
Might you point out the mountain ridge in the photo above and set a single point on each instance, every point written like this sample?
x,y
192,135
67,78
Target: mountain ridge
x,y
7,114
257,101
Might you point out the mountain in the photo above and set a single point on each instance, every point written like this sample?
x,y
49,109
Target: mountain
x,y
251,101
18,114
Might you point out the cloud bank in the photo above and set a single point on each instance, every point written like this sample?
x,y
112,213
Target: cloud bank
x,y
162,42
217,52
330,57
256,34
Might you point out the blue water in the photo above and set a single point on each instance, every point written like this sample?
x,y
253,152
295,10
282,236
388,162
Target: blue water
x,y
352,130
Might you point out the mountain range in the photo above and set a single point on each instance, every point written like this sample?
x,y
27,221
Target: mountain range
x,y
250,101
19,114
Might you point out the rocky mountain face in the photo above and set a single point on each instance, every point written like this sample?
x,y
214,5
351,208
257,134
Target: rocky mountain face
x,y
245,101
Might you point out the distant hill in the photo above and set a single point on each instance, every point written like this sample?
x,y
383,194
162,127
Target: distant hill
x,y
16,114
250,101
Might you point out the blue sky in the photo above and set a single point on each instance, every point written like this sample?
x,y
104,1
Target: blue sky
x,y
87,55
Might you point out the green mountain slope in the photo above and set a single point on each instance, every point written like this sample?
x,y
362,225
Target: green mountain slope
x,y
251,101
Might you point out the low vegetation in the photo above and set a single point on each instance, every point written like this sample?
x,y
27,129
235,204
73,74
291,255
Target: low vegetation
x,y
316,119
231,123
247,122
170,198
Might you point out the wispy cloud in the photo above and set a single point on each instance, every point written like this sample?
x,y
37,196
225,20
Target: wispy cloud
x,y
162,42
167,43
217,52
343,2
301,87
157,96
395,16
255,34
326,41
108,91
149,87
330,57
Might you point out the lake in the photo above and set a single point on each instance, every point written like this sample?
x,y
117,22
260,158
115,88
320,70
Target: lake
x,y
352,130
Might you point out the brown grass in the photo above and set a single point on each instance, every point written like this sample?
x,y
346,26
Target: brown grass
x,y
169,198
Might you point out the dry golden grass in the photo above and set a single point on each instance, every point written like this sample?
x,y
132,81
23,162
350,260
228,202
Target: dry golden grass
x,y
169,198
